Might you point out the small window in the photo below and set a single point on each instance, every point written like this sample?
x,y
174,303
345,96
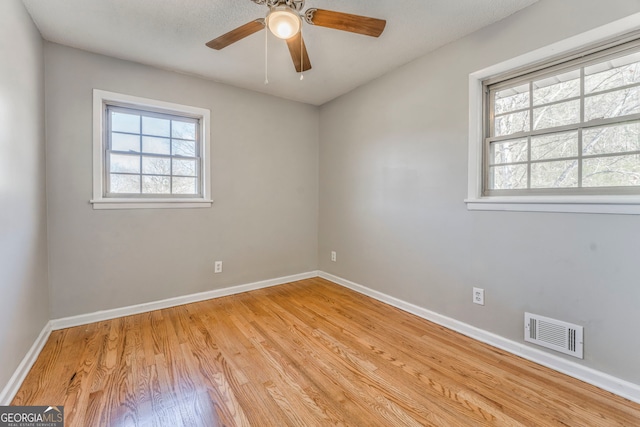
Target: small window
x,y
569,129
149,153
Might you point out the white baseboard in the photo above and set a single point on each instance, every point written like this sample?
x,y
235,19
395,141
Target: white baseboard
x,y
599,379
98,316
10,390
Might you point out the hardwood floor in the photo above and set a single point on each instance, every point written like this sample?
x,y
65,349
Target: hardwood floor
x,y
309,353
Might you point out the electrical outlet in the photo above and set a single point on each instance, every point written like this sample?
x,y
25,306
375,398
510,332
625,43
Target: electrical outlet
x,y
334,257
478,296
218,267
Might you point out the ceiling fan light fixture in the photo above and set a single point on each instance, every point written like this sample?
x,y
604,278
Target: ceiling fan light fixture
x,y
284,22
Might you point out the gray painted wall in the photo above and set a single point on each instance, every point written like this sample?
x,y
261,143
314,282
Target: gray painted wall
x,y
393,177
24,291
263,223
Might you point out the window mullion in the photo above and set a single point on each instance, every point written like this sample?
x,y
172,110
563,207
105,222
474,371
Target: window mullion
x,y
140,154
548,104
517,111
612,121
613,89
199,149
529,137
582,95
170,157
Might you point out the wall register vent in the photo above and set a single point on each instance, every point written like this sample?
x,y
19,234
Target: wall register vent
x,y
554,334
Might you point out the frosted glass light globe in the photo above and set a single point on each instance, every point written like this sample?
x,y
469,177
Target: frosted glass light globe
x,y
284,22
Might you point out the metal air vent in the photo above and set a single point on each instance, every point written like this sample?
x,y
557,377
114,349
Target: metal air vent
x,y
554,334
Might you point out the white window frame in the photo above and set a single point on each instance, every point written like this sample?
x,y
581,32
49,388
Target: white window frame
x,y
608,204
101,99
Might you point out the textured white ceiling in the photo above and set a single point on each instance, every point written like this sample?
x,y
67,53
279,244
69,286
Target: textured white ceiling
x,y
171,34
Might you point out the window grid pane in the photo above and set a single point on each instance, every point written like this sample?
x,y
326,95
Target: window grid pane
x,y
151,154
577,128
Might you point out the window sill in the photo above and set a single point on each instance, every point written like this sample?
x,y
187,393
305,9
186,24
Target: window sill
x,y
620,205
150,203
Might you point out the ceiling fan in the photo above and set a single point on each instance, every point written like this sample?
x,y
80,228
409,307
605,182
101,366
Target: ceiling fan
x,y
284,20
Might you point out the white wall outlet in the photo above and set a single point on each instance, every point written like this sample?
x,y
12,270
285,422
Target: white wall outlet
x,y
218,267
334,257
478,296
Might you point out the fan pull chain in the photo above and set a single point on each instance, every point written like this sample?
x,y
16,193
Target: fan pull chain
x,y
266,55
301,56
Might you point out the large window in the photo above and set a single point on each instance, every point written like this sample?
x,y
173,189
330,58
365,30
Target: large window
x,y
558,129
149,153
573,127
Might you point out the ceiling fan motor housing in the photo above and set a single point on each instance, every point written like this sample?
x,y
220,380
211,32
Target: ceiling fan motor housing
x,y
294,4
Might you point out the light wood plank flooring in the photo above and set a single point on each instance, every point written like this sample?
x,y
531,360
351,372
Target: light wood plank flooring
x,y
309,353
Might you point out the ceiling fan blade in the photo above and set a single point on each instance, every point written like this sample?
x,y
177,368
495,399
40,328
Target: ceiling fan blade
x,y
299,54
236,35
346,22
